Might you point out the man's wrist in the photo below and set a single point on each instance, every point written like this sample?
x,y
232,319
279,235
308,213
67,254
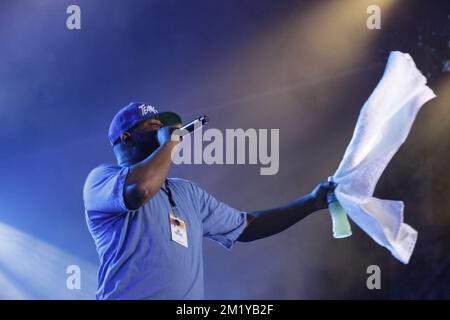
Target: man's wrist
x,y
312,202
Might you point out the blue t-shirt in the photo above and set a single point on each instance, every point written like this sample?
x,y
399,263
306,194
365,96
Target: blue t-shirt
x,y
138,259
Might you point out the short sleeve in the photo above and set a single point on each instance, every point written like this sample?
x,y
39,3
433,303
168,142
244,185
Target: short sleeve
x,y
221,222
103,189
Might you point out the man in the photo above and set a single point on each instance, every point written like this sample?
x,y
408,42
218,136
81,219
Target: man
x,y
149,228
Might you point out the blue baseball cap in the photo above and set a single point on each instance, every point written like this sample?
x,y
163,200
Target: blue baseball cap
x,y
135,112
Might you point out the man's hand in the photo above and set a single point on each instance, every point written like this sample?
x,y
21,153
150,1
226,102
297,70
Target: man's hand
x,y
165,133
147,176
264,223
319,194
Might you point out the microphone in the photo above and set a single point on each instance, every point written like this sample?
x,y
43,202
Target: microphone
x,y
194,124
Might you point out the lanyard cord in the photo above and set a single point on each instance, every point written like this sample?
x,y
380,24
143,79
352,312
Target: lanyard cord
x,y
168,192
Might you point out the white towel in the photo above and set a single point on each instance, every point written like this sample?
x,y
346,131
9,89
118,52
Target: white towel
x,y
383,124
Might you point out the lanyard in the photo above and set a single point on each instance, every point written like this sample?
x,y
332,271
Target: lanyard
x,y
168,192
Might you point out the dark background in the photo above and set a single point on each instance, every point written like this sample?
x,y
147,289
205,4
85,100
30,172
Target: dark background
x,y
305,67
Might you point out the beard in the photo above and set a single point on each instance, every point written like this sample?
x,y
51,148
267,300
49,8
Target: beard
x,y
147,143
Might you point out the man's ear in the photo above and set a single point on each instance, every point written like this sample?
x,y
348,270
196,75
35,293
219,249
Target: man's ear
x,y
126,137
